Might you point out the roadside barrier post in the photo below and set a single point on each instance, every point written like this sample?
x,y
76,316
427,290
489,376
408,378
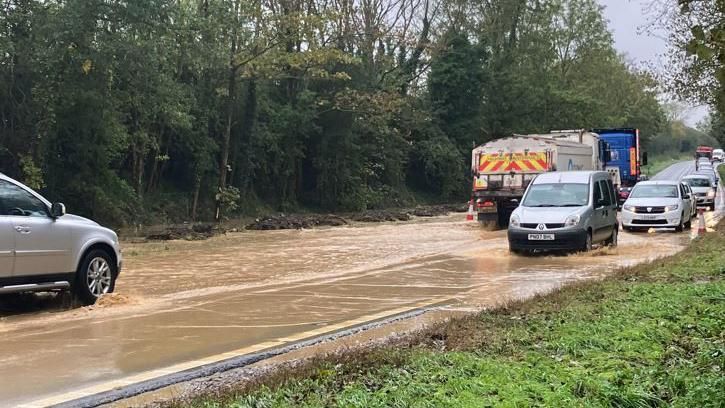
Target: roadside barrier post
x,y
701,222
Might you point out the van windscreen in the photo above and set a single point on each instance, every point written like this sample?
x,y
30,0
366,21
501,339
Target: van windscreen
x,y
557,195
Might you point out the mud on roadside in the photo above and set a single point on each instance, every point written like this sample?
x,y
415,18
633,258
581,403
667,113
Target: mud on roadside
x,y
297,221
282,221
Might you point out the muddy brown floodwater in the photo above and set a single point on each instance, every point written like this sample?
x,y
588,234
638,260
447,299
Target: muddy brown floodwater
x,y
184,301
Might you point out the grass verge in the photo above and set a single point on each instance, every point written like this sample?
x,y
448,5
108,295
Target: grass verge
x,y
648,336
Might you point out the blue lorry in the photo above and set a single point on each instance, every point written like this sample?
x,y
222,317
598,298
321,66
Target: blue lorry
x,y
625,157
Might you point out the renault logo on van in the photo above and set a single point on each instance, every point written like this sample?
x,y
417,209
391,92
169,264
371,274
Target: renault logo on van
x,y
649,209
541,227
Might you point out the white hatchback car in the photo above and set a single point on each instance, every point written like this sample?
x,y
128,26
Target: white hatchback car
x,y
44,249
657,204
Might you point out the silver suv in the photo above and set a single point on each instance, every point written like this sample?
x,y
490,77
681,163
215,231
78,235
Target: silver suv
x,y
44,249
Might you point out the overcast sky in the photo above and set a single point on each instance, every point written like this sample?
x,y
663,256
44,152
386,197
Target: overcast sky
x,y
628,20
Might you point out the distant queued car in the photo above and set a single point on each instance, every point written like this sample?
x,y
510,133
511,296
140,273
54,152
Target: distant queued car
x,y
657,204
622,195
711,175
718,155
693,198
702,187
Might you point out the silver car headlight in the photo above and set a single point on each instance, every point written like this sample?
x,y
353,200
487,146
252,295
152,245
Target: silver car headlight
x,y
572,220
515,221
672,207
629,208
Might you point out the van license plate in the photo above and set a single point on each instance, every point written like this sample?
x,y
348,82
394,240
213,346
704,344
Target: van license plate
x,y
541,237
650,217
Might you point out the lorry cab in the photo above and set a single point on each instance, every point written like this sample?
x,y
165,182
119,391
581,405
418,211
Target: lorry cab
x,y
625,155
569,210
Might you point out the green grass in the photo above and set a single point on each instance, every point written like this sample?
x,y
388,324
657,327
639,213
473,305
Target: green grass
x,y
648,336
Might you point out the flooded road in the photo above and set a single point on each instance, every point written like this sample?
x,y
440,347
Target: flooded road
x,y
185,301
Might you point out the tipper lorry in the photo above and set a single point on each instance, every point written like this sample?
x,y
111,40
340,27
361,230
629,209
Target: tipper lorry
x,y
503,168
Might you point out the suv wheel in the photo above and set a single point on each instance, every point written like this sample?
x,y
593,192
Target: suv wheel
x,y
96,276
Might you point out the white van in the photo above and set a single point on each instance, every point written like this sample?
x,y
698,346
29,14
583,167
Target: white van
x,y
569,210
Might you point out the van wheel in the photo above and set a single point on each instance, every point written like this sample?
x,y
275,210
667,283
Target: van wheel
x,y
612,241
588,242
95,277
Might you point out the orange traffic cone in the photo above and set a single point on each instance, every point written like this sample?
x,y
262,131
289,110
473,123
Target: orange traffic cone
x,y
701,222
469,215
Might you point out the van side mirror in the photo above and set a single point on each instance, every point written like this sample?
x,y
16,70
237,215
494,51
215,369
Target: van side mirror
x,y
57,210
644,158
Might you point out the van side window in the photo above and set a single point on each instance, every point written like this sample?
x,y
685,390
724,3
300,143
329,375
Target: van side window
x,y
612,193
605,195
597,193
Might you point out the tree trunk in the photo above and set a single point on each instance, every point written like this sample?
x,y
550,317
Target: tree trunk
x,y
195,201
231,98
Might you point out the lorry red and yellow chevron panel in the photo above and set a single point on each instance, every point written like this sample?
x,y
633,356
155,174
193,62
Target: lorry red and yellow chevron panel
x,y
507,162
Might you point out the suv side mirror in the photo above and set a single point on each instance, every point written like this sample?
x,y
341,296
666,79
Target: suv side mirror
x,y
644,158
57,210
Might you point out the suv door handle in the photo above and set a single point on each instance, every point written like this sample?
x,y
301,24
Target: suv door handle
x,y
22,229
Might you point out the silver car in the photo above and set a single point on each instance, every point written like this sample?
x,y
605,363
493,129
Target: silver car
x,y
44,249
702,188
654,204
569,210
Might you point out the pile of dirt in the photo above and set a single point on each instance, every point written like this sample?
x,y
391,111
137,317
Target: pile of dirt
x,y
283,221
189,232
297,221
381,216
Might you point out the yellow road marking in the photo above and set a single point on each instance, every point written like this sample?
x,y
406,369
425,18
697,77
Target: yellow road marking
x,y
149,375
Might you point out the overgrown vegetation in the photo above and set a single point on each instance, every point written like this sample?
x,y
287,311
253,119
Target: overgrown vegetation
x,y
696,69
649,336
146,110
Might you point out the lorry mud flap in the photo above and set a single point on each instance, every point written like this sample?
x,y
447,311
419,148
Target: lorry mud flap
x,y
489,219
